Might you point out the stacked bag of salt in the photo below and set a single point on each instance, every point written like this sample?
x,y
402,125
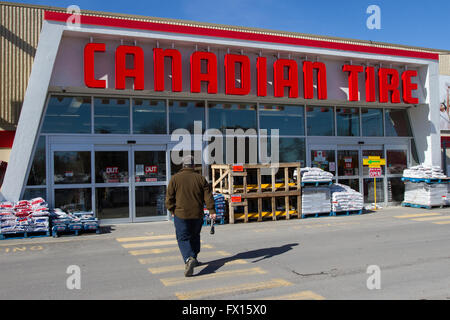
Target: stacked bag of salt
x,y
344,198
424,172
75,221
315,175
24,216
316,200
425,194
219,206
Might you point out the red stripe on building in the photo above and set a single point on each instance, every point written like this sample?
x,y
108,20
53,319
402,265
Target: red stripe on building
x,y
240,35
7,139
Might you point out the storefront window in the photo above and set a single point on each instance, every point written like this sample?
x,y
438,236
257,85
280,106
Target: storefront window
x,y
71,200
37,174
150,166
290,150
352,183
396,161
369,190
150,201
320,121
372,122
31,193
234,116
112,115
111,166
112,203
397,123
396,190
182,115
289,120
72,167
347,120
348,163
149,116
68,115
324,159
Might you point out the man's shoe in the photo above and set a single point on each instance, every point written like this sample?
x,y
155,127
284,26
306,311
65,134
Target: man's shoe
x,y
189,268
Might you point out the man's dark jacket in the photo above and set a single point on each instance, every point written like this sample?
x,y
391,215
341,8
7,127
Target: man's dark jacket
x,y
186,194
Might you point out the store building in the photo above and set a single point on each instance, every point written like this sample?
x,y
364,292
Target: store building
x,y
104,98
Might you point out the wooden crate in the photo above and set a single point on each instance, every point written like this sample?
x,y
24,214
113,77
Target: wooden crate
x,y
238,194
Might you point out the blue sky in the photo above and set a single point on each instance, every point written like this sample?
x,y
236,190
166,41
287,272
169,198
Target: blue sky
x,y
413,22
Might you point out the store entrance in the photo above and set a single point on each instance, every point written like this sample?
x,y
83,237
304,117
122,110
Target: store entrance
x,y
346,163
119,183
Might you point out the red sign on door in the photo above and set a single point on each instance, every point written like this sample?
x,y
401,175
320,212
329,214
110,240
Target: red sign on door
x,y
374,172
151,169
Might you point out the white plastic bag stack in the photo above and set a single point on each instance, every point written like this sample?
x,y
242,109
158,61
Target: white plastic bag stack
x,y
315,174
344,198
316,200
24,216
425,194
424,172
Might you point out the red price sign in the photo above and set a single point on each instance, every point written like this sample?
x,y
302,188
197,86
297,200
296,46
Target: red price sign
x,y
236,199
238,168
374,172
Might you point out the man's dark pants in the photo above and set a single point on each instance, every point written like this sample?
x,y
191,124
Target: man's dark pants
x,y
188,236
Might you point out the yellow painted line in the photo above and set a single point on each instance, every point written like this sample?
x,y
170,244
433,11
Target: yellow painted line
x,y
238,289
221,274
303,295
415,215
178,257
161,250
180,267
149,244
442,222
433,218
146,238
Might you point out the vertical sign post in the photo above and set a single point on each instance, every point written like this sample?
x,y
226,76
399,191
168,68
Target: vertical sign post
x,y
374,163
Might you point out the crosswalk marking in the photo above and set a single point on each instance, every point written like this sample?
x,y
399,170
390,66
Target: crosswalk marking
x,y
220,274
237,289
149,244
442,222
202,255
433,218
303,295
415,215
180,267
130,239
161,250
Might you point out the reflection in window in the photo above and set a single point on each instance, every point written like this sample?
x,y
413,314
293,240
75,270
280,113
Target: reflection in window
x,y
397,123
352,183
112,115
324,159
290,150
372,122
37,174
224,116
182,114
347,120
320,121
72,167
290,120
396,161
150,166
71,200
348,163
68,115
149,116
396,190
111,166
31,193
112,203
150,201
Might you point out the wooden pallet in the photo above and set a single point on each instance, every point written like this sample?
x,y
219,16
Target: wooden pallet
x,y
239,194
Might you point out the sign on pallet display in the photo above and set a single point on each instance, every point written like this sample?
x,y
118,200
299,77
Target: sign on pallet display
x,y
374,172
236,199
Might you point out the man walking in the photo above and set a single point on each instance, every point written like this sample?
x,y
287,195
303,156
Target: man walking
x,y
186,194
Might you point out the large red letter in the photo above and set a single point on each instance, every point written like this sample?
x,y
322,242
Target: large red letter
x,y
408,86
230,74
353,72
261,74
370,84
388,81
308,87
279,82
196,73
158,68
121,70
89,69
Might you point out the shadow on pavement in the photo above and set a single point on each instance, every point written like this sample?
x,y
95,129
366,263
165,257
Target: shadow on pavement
x,y
266,253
